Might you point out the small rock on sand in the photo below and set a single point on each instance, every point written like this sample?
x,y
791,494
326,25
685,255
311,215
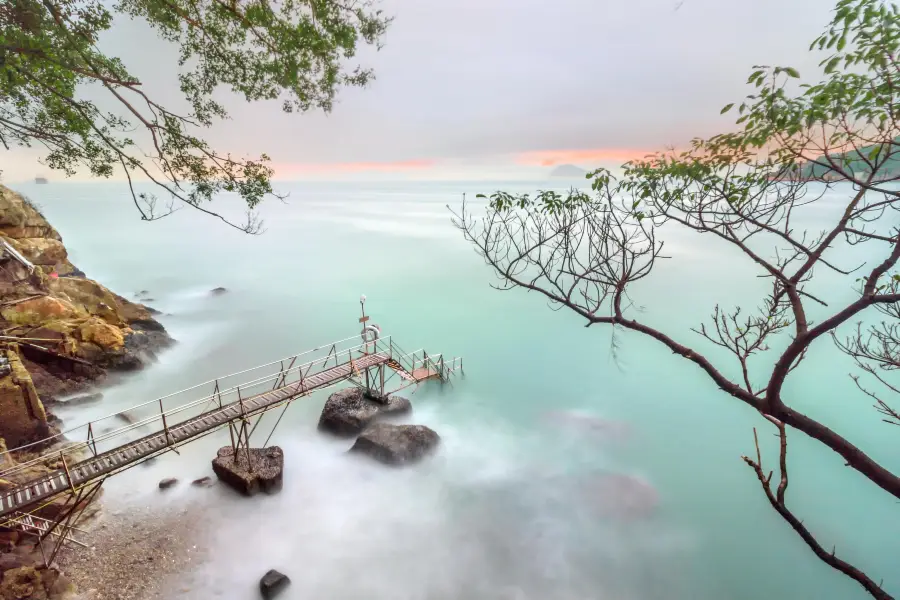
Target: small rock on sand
x,y
167,483
273,583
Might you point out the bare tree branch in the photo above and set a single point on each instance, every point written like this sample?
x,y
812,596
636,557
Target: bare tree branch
x,y
777,500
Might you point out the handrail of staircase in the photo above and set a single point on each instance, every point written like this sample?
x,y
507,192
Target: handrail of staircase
x,y
193,387
174,410
404,357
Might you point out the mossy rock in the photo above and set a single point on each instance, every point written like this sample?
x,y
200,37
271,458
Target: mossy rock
x,y
23,583
20,219
38,311
100,333
90,296
42,251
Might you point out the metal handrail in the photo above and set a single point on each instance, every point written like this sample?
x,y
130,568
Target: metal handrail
x,y
193,387
180,408
305,370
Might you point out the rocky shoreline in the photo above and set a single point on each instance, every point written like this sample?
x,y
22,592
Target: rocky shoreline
x,y
61,333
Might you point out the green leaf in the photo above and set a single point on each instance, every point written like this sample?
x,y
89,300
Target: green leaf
x,y
832,64
873,155
727,108
792,72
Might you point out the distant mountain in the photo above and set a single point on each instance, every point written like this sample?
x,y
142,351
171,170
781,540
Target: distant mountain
x,y
856,162
569,171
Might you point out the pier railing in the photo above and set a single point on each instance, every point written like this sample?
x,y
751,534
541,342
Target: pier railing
x,y
115,429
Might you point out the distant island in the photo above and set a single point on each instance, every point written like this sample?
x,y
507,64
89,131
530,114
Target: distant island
x,y
855,162
40,180
569,171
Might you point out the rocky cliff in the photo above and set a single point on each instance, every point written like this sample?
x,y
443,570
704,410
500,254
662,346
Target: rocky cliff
x,y
59,330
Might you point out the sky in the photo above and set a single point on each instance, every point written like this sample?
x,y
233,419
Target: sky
x,y
506,89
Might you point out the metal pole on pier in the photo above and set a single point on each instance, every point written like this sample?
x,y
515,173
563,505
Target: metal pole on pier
x,y
362,320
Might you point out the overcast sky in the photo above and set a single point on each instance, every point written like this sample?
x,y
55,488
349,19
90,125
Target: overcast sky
x,y
504,88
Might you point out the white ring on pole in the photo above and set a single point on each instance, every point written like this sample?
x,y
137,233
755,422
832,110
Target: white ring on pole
x,y
370,333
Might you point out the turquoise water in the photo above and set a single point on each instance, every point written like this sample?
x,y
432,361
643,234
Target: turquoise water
x,y
501,512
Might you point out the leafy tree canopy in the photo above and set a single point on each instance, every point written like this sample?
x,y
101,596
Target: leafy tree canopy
x,y
298,51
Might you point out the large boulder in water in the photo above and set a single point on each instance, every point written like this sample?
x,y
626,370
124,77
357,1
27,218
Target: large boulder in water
x,y
396,444
348,412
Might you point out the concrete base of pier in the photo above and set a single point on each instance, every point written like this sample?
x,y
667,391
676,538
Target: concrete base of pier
x,y
262,474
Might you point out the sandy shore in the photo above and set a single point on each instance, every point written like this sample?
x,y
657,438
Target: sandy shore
x,y
134,553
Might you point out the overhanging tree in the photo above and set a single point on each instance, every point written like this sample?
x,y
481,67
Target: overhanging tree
x,y
297,51
585,250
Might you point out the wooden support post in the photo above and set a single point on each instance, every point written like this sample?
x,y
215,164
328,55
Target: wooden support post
x,y
68,475
235,446
381,374
73,515
247,448
279,378
91,443
165,424
231,434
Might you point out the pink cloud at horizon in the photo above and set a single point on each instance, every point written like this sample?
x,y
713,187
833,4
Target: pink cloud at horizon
x,y
549,158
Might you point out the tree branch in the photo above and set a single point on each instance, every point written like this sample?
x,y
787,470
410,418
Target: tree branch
x,y
777,500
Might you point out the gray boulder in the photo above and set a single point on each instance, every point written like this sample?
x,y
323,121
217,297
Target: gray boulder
x,y
348,412
396,444
391,406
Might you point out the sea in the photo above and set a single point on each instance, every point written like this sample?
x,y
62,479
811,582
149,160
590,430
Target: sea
x,y
507,508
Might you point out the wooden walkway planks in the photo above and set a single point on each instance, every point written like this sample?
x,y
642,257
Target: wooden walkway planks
x,y
98,466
